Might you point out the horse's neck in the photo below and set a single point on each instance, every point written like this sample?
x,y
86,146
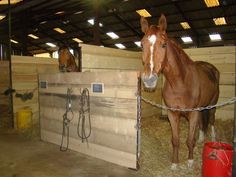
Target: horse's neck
x,y
176,65
71,65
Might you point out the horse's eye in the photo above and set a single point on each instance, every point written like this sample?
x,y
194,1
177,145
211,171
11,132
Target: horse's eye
x,y
163,45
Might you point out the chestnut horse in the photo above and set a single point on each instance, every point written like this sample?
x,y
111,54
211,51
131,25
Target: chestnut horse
x,y
188,84
66,60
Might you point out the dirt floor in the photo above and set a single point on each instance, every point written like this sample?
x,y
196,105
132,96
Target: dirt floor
x,y
24,155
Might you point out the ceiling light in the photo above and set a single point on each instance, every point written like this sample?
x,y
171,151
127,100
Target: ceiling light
x,y
2,16
215,37
112,35
212,3
43,22
11,2
138,43
60,12
79,12
187,39
220,21
14,41
33,36
77,40
59,30
185,25
51,44
143,13
120,46
91,21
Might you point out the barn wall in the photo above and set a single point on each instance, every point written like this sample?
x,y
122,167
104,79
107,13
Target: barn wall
x,y
113,113
95,58
5,116
25,72
224,59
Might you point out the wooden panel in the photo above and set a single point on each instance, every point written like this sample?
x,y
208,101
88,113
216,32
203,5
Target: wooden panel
x,y
113,113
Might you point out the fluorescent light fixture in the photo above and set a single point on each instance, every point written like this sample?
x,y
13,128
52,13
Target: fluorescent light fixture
x,y
91,21
143,13
43,22
2,17
11,1
60,12
120,46
77,40
112,35
59,30
33,36
51,44
187,39
220,21
14,41
212,3
138,43
215,37
78,12
185,25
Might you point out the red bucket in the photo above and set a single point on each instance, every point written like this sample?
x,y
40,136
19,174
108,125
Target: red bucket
x,y
217,160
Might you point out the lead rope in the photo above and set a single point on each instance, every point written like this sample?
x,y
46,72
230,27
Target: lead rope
x,y
84,114
66,121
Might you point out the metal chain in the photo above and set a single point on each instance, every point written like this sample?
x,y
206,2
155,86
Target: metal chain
x,y
230,101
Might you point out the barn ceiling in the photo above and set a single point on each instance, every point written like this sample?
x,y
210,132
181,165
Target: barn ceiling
x,y
40,17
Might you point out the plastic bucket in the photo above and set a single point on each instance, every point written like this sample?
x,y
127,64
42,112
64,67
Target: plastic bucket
x,y
24,118
217,160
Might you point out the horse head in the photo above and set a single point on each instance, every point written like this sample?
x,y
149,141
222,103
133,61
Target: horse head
x,y
154,48
64,58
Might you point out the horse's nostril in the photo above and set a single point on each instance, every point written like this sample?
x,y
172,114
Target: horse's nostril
x,y
150,81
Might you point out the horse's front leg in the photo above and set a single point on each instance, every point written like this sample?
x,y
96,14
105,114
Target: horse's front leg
x,y
174,122
193,124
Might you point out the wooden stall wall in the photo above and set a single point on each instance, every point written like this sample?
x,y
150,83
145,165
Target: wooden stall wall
x,y
113,114
95,58
224,59
25,72
5,102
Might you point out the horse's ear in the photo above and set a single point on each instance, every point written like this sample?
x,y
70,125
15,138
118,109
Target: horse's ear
x,y
162,23
144,24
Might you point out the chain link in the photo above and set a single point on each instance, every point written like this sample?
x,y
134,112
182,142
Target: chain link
x,y
230,101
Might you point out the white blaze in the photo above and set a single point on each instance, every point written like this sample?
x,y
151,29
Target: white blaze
x,y
152,39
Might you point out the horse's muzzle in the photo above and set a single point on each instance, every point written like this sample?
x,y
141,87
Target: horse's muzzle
x,y
150,82
62,68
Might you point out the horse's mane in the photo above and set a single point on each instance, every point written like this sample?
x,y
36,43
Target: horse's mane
x,y
179,50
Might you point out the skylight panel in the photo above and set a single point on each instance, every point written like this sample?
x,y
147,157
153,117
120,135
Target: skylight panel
x,y
2,17
143,13
138,43
59,30
212,3
185,25
33,36
14,41
112,35
220,21
50,44
120,46
11,1
187,39
77,40
91,21
215,37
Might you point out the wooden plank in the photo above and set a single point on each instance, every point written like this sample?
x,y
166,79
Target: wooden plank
x,y
214,59
33,60
105,51
227,91
211,50
101,152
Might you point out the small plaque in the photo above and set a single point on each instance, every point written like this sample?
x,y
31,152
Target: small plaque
x,y
43,84
97,87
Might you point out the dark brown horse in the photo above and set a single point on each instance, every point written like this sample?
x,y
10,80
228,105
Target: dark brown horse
x,y
66,60
188,84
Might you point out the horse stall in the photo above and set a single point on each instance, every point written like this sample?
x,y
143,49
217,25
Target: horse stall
x,y
115,65
113,119
5,100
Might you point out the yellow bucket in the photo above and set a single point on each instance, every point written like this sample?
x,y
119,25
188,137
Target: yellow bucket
x,y
24,118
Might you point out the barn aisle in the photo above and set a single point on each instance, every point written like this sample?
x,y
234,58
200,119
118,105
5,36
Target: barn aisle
x,y
23,156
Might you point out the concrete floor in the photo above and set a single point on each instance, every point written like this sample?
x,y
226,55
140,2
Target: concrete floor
x,y
24,156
